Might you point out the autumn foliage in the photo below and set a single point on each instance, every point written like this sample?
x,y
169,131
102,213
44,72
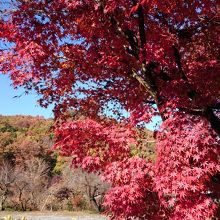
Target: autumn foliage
x,y
131,60
35,178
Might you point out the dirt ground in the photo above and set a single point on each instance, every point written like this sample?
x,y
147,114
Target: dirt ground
x,y
54,215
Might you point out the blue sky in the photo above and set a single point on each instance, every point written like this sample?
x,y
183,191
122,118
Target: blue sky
x,y
25,105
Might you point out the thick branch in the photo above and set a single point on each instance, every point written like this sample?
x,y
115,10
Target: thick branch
x,y
208,114
143,82
178,62
141,26
151,102
149,84
213,119
216,106
129,35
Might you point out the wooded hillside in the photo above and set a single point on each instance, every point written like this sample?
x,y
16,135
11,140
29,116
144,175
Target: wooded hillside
x,y
34,177
25,137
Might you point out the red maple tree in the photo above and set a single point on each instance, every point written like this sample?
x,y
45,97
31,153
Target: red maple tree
x,y
144,57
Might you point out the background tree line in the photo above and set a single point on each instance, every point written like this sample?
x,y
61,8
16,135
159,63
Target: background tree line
x,y
34,177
